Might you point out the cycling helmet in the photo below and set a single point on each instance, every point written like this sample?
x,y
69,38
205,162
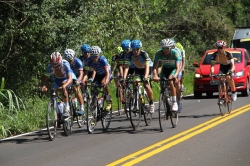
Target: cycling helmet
x,y
69,54
174,43
55,58
119,50
166,43
126,44
136,44
95,50
220,43
179,45
85,48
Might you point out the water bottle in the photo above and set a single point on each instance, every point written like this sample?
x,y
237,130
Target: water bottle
x,y
74,102
60,107
100,102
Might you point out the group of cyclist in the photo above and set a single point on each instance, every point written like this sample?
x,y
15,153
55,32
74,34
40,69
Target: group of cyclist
x,y
130,59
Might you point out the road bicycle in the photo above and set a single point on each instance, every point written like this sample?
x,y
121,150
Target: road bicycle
x,y
225,100
119,96
54,115
96,110
165,106
138,105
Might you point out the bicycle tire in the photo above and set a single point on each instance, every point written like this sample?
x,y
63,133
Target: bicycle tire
x,y
135,110
119,102
230,102
145,110
162,112
91,116
52,119
173,115
223,106
68,121
127,93
106,117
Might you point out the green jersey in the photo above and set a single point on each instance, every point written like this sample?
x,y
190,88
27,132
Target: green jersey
x,y
169,61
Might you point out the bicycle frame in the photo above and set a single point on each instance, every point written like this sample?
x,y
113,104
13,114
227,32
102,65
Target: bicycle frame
x,y
223,88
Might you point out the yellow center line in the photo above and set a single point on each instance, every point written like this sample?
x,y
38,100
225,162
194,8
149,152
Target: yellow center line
x,y
184,136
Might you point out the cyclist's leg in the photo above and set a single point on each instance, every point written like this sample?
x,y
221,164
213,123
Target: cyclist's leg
x,y
178,91
225,69
170,73
79,97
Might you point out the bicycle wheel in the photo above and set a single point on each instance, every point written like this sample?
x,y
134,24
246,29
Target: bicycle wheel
x,y
230,102
145,110
162,113
135,110
127,94
51,119
91,116
173,115
68,121
119,102
106,117
222,103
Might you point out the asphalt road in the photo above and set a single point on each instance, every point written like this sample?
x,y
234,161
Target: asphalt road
x,y
202,137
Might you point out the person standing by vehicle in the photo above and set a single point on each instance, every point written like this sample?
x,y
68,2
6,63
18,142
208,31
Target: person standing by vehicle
x,y
103,72
227,66
141,60
63,78
77,67
169,59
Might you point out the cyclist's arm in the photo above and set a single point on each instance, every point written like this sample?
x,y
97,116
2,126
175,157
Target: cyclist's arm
x,y
177,65
44,81
85,77
155,68
69,80
107,75
146,70
125,72
183,60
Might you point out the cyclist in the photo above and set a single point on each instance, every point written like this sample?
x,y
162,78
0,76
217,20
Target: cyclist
x,y
63,77
126,47
169,59
141,60
77,67
85,55
227,66
103,71
115,63
183,60
179,77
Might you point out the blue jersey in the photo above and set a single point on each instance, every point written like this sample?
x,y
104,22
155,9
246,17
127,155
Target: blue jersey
x,y
76,66
100,66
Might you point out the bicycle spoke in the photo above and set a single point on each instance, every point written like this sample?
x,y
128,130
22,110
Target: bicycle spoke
x,y
162,113
51,120
135,111
145,110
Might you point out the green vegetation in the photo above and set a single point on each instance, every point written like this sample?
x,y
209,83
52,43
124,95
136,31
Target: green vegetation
x,y
32,30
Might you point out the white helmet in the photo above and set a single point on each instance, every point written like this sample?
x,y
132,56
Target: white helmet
x,y
95,50
167,43
69,54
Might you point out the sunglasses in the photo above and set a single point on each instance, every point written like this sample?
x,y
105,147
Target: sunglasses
x,y
166,48
219,47
94,56
85,52
136,49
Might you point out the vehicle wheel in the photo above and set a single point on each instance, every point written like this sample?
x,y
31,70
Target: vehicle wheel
x,y
51,120
162,113
209,94
197,95
91,116
246,92
135,110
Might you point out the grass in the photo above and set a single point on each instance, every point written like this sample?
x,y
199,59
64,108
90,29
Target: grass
x,y
16,119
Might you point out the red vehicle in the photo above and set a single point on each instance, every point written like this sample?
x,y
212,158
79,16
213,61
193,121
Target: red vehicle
x,y
241,75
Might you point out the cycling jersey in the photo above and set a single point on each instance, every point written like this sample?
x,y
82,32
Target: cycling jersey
x,y
139,62
224,60
100,66
77,66
65,69
168,61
